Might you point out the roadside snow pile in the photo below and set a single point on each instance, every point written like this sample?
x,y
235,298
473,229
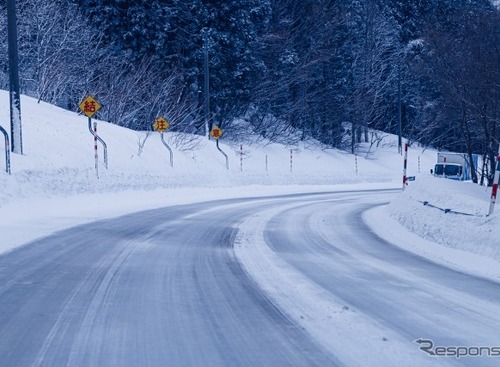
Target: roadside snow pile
x,y
465,227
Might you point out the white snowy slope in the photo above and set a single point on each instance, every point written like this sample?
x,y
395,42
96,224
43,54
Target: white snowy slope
x,y
54,186
55,179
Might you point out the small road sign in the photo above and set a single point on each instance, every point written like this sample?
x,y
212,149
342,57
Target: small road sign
x,y
89,106
216,132
161,125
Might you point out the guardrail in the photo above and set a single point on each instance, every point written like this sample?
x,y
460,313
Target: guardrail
x,y
7,150
446,210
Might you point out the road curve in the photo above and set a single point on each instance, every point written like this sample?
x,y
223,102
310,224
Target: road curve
x,y
165,288
406,296
156,288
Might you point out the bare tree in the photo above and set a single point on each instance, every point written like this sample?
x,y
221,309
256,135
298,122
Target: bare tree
x,y
54,44
465,59
374,69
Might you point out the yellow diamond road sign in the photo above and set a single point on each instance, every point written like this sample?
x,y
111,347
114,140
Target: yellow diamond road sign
x,y
161,124
89,106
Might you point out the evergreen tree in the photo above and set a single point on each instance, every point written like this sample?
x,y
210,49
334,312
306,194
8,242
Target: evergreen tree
x,y
310,68
232,28
138,26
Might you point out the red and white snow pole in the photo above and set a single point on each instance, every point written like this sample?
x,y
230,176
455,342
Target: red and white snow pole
x,y
241,157
95,150
291,160
405,165
494,188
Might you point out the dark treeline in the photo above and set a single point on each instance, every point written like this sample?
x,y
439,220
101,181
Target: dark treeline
x,y
288,69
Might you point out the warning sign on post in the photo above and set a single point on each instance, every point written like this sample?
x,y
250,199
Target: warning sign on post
x,y
90,106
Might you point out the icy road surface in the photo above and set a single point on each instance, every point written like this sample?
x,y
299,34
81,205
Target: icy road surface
x,y
306,284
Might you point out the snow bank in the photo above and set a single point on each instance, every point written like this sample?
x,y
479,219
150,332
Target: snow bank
x,y
465,227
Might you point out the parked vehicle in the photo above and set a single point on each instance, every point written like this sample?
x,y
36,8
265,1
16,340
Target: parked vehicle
x,y
455,166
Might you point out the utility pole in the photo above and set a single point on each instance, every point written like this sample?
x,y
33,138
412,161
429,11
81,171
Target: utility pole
x,y
400,123
208,126
15,97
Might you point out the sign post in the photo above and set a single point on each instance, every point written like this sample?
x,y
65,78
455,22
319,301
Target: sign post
x,y
217,133
89,106
161,125
15,97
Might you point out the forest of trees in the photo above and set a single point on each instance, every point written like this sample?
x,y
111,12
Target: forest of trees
x,y
288,69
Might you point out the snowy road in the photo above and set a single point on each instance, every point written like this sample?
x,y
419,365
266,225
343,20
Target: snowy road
x,y
367,300
167,287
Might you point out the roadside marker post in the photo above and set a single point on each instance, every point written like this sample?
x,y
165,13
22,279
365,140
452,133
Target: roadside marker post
x,y
404,166
494,188
95,149
241,157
